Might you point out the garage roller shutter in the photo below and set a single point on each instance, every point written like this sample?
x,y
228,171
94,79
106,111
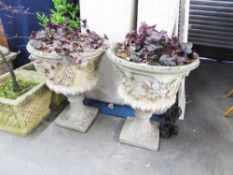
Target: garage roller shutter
x,y
211,27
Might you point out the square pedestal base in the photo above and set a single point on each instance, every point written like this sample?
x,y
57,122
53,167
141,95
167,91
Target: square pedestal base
x,y
134,133
81,123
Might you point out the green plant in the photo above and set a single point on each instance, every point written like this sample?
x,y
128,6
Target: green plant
x,y
15,85
7,91
13,10
64,13
43,19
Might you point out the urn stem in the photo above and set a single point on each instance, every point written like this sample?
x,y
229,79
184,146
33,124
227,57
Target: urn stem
x,y
140,131
143,115
76,106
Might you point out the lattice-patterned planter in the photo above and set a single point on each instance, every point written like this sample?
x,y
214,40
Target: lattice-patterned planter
x,y
57,99
3,68
22,115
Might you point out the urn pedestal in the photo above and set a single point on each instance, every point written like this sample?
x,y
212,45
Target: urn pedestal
x,y
140,131
71,80
77,116
148,89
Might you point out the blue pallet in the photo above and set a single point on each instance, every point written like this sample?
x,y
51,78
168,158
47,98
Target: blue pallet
x,y
121,111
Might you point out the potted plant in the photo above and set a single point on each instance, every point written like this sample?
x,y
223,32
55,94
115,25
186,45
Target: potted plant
x,y
152,67
24,98
56,99
69,60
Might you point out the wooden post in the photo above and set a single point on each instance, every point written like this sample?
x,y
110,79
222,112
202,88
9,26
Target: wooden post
x,y
3,40
229,94
228,111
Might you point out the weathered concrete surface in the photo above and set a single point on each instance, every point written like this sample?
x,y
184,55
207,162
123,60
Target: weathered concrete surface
x,y
204,145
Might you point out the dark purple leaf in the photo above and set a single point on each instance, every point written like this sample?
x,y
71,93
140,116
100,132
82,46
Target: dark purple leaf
x,y
148,45
66,42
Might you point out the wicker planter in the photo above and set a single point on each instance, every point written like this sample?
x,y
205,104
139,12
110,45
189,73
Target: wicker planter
x,y
71,80
57,99
149,89
22,115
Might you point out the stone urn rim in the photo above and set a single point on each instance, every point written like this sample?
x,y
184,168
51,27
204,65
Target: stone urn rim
x,y
144,68
86,56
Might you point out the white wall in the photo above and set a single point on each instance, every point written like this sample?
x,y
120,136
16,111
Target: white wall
x,y
161,12
111,17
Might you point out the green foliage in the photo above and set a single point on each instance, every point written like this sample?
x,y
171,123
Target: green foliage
x,y
43,19
64,13
6,89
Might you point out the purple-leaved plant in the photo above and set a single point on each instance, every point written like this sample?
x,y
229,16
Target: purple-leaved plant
x,y
66,42
147,45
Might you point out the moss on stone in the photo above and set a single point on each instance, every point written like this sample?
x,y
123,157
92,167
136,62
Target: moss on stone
x,y
6,89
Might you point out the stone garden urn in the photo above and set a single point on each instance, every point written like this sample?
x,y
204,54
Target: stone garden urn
x,y
71,80
148,89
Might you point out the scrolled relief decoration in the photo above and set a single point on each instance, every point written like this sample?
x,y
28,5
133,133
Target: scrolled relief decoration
x,y
55,72
91,69
150,88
